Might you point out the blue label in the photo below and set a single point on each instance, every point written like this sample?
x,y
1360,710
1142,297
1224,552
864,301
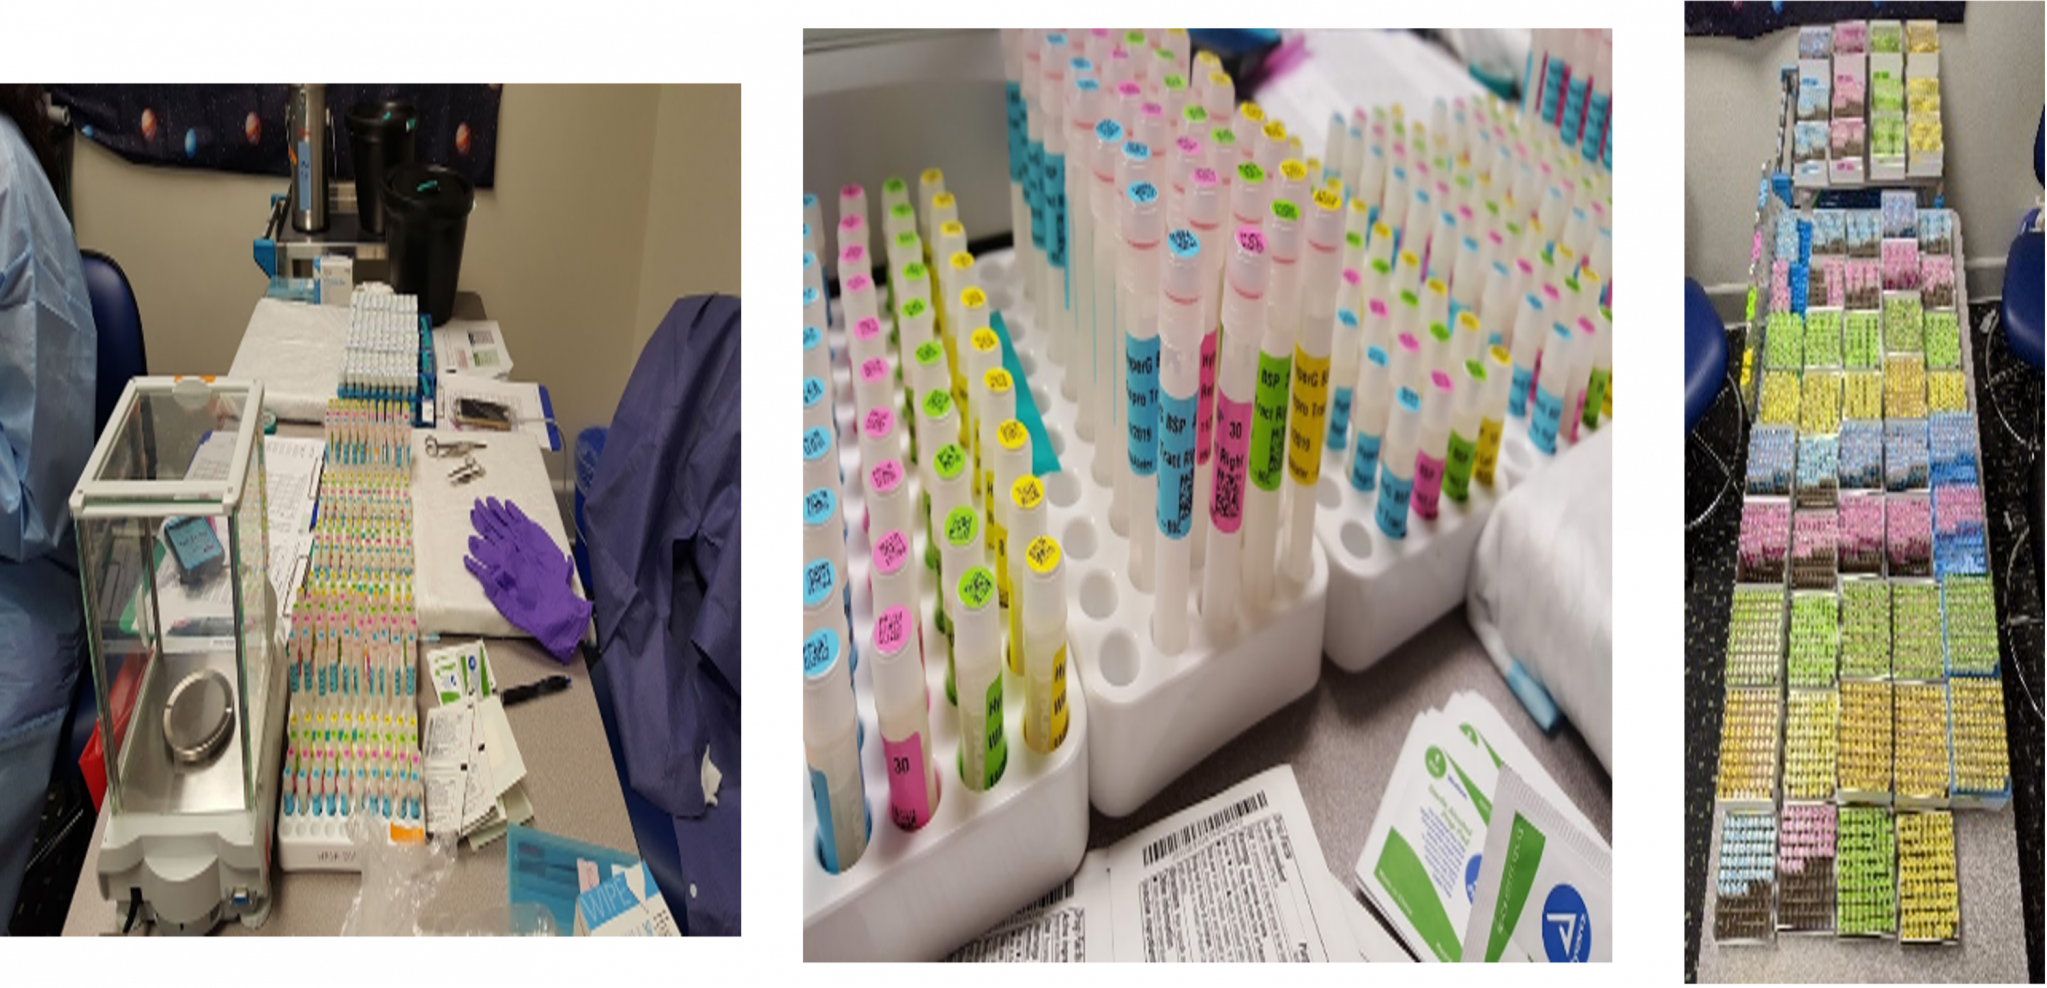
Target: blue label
x,y
812,338
1141,370
1542,426
827,844
1339,418
1393,494
305,176
1055,210
1364,462
1517,391
1034,191
816,442
809,295
1185,245
1013,95
1142,193
819,505
813,391
820,580
1176,465
1136,151
1566,926
1109,130
819,651
809,199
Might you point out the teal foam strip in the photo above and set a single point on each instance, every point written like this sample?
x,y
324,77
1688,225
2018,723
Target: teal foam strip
x,y
1043,460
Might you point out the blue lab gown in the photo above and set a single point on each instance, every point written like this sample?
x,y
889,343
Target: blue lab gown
x,y
663,529
48,359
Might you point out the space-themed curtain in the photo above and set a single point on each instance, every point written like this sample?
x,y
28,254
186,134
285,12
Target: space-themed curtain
x,y
240,128
1753,20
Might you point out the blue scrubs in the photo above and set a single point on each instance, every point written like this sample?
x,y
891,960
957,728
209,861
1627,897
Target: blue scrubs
x,y
48,357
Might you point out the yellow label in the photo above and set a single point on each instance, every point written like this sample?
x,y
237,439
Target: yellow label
x,y
942,200
1437,288
1467,321
1209,60
1045,712
1011,433
972,298
1379,229
1028,492
1250,111
997,379
1218,77
1488,450
1609,395
985,340
1043,553
961,261
952,228
932,176
1274,130
1307,420
1327,200
1293,171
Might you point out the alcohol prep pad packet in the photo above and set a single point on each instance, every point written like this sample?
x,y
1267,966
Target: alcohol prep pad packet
x,y
1545,887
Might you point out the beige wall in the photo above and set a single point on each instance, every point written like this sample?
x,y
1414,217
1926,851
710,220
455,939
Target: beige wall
x,y
692,242
610,201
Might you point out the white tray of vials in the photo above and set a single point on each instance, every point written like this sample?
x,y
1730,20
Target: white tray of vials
x,y
915,895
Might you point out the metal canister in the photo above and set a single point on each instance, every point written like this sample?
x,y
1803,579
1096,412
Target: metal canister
x,y
308,131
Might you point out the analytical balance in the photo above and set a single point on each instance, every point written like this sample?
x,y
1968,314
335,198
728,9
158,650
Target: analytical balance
x,y
173,545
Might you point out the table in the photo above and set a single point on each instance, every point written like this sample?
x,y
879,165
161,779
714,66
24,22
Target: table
x,y
569,777
1342,737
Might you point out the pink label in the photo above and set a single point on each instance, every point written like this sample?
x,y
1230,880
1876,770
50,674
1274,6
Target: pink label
x,y
889,554
850,191
886,476
1428,484
1352,278
874,370
859,283
892,628
854,254
1204,413
851,222
879,420
1232,450
909,804
1188,145
868,328
1128,89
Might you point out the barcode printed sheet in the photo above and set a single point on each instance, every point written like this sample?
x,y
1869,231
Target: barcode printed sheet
x,y
1239,877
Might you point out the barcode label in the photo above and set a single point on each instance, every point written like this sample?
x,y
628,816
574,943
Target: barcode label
x,y
1164,847
1060,893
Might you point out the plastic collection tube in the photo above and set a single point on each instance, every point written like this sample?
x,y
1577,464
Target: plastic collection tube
x,y
1308,409
1181,304
831,753
1045,708
1271,402
1138,288
902,706
984,745
1243,320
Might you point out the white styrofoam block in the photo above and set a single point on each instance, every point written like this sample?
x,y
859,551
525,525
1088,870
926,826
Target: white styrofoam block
x,y
1155,716
450,600
295,349
914,896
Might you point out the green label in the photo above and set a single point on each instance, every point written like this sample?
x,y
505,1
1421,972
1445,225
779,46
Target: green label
x,y
963,524
997,739
929,352
1517,876
1457,469
950,458
914,307
977,586
1268,425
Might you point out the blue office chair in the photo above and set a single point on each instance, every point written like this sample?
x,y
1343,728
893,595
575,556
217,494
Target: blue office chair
x,y
2020,309
1706,379
118,323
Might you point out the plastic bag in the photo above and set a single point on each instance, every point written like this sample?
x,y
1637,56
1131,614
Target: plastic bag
x,y
399,879
506,919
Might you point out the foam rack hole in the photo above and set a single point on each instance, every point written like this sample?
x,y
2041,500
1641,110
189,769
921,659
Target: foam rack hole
x,y
1040,395
1029,363
1356,540
1517,457
1119,659
1079,538
1328,495
1063,488
1058,439
1098,595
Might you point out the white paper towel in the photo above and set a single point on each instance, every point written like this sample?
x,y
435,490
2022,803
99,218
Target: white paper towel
x,y
295,350
449,599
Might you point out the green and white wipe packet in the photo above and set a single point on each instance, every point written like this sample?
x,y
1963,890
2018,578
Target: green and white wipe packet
x,y
1545,886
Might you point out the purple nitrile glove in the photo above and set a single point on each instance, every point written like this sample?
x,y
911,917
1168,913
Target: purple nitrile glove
x,y
524,582
502,522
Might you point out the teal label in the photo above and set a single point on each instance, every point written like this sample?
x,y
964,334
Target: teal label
x,y
1517,391
1034,191
1364,463
813,391
819,505
1176,465
819,650
1393,497
820,579
1542,425
1339,418
1054,193
1141,366
816,442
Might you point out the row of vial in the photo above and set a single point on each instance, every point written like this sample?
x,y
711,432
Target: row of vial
x,y
1252,419
367,434
381,358
338,781
1001,600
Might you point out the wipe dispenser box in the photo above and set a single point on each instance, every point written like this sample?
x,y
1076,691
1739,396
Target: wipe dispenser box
x,y
1154,715
914,895
173,553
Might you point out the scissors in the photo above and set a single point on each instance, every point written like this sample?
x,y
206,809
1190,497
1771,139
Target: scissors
x,y
439,450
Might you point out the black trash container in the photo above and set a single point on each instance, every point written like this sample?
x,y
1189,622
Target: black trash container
x,y
380,138
426,214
